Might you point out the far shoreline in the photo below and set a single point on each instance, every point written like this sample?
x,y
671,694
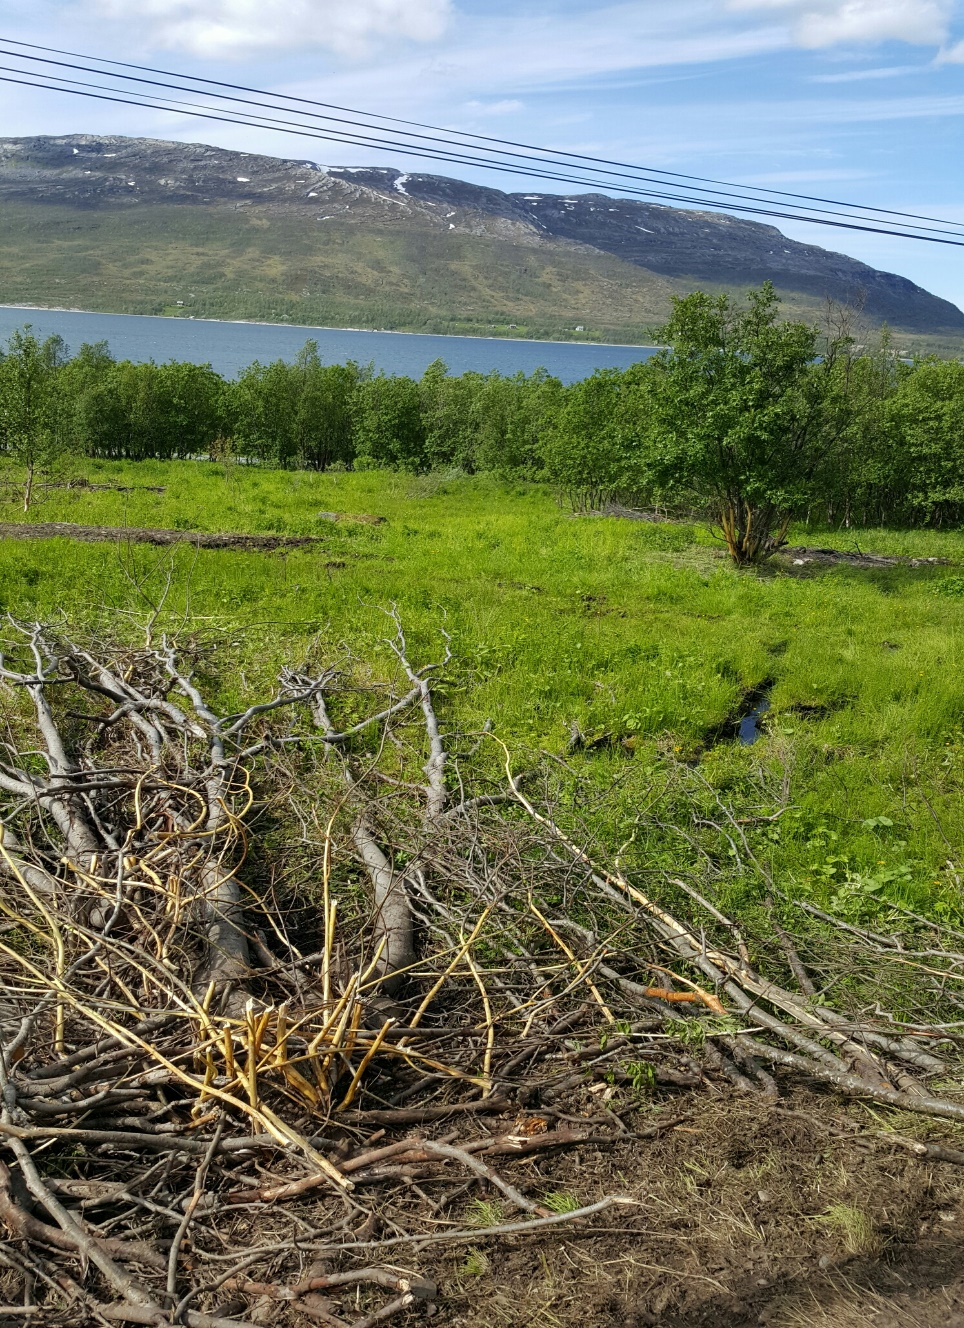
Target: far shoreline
x,y
322,327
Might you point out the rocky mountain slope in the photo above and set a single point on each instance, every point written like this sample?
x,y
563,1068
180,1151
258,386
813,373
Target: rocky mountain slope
x,y
673,242
382,240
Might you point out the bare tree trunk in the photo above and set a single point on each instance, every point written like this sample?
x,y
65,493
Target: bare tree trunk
x,y
393,928
752,534
227,962
394,933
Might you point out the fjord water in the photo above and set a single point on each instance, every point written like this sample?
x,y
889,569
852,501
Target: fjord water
x,y
228,347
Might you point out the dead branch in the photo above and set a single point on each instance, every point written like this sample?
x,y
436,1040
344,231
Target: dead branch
x,y
480,1169
183,992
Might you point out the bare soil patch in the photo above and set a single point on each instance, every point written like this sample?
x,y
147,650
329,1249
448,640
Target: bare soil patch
x,y
82,483
145,535
788,1214
854,558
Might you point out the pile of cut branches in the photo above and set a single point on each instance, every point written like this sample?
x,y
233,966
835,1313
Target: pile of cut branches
x,y
230,1092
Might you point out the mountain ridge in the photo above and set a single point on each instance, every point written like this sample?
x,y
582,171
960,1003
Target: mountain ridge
x,y
328,215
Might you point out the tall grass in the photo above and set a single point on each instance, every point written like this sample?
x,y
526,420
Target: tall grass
x,y
641,636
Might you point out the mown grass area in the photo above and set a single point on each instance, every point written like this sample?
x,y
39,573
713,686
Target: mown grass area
x,y
640,635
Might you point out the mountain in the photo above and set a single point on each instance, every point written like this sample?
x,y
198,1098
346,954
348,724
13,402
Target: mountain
x,y
142,225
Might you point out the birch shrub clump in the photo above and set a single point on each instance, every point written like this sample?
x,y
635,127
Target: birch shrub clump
x,y
744,412
34,434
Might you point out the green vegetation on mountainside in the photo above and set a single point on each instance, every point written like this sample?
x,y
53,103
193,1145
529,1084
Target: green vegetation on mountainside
x,y
249,263
258,264
638,635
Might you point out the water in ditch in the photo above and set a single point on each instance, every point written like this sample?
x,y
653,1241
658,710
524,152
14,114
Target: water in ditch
x,y
749,729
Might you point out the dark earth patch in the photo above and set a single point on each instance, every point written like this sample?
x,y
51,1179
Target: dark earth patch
x,y
144,535
749,1212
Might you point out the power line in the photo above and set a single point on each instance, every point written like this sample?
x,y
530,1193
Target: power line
x,y
533,166
631,174
449,147
652,173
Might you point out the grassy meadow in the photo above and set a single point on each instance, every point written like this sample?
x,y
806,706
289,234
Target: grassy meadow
x,y
641,637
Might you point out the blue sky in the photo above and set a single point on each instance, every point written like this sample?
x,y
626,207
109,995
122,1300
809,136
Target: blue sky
x,y
858,99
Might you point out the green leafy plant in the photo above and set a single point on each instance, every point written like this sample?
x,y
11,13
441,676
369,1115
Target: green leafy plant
x,y
691,1032
34,410
476,1264
642,1076
863,894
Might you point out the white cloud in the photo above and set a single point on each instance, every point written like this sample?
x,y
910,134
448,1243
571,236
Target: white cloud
x,y
508,106
863,75
211,28
496,57
806,177
817,23
954,56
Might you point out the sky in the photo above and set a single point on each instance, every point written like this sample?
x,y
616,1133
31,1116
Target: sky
x,y
859,100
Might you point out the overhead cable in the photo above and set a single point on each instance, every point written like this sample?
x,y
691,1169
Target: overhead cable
x,y
646,171
451,147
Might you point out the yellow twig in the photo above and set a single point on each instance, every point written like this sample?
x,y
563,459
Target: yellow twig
x,y
363,1065
489,1021
459,955
580,967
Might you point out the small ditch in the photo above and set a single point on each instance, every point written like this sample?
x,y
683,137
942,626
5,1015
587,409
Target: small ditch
x,y
748,726
35,530
743,724
799,557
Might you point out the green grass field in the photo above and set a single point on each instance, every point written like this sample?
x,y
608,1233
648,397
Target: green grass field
x,y
640,635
